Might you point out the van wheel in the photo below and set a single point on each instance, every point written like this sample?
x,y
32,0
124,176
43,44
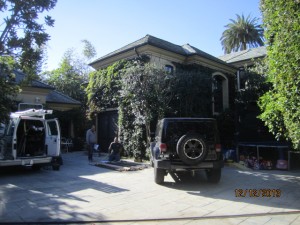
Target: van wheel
x,y
191,149
56,167
159,175
213,175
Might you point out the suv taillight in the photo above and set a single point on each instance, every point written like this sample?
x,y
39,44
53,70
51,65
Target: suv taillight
x,y
163,147
218,147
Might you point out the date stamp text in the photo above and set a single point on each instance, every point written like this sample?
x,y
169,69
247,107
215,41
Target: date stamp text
x,y
258,193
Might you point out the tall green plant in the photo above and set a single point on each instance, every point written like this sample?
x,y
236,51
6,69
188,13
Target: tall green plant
x,y
280,106
70,78
8,89
146,92
241,34
104,86
23,33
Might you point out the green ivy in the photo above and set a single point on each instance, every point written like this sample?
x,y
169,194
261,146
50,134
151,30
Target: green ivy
x,y
281,104
104,86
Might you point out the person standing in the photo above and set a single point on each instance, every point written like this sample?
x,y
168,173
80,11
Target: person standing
x,y
115,149
91,141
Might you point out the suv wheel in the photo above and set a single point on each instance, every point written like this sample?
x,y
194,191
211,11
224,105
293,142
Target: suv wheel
x,y
192,149
213,175
159,175
55,167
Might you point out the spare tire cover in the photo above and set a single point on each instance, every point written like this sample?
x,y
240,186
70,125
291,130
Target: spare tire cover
x,y
191,149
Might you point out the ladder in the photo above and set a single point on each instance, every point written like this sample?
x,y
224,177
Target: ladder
x,y
32,112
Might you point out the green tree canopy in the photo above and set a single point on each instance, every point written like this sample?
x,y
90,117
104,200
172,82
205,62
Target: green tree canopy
x,y
21,44
241,34
8,88
72,73
67,80
280,106
70,78
23,34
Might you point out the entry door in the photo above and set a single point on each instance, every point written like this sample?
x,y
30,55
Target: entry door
x,y
107,128
53,137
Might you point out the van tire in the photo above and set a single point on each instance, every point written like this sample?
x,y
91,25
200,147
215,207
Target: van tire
x,y
191,149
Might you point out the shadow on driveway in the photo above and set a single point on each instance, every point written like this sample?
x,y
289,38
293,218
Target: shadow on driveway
x,y
46,195
272,188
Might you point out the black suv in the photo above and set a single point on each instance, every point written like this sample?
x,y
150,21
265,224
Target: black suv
x,y
186,144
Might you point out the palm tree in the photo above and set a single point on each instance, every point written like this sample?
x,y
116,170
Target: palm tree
x,y
241,34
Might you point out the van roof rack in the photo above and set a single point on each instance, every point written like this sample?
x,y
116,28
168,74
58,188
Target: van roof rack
x,y
32,112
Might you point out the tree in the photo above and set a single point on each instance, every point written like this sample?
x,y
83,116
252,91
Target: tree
x,y
72,72
22,36
104,86
89,50
8,88
21,44
145,94
142,94
70,78
67,78
241,34
280,105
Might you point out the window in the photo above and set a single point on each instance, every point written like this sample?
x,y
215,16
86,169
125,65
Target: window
x,y
169,69
220,93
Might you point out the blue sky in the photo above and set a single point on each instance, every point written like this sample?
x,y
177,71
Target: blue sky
x,y
112,24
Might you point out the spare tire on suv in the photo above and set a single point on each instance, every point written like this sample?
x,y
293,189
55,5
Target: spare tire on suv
x,y
191,149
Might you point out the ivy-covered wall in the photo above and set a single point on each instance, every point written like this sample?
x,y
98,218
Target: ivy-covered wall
x,y
144,93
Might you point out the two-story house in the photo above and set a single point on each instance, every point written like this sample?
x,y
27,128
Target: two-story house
x,y
167,55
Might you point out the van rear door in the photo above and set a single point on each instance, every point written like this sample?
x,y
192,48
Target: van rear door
x,y
53,137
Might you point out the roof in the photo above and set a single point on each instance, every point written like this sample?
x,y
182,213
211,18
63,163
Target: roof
x,y
20,76
54,96
185,50
58,97
245,55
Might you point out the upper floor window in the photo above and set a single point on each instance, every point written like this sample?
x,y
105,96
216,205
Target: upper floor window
x,y
220,93
169,69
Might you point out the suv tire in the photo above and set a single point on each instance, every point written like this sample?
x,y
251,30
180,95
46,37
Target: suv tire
x,y
191,149
159,175
213,175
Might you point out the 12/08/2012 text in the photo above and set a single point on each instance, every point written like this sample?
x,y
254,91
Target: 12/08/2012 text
x,y
258,193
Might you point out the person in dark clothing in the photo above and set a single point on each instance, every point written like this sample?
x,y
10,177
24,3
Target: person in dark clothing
x,y
91,141
115,149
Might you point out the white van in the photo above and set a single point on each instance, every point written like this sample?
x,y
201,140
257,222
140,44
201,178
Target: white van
x,y
30,140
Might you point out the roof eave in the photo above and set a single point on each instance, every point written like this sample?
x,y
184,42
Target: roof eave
x,y
107,57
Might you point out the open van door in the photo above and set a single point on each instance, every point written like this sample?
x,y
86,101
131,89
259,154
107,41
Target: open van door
x,y
53,137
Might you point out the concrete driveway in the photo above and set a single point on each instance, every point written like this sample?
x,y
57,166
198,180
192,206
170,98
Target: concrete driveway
x,y
80,192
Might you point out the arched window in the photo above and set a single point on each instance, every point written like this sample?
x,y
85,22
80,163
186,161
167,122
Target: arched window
x,y
220,93
169,69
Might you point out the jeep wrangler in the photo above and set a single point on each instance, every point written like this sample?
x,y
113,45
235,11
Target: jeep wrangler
x,y
186,144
